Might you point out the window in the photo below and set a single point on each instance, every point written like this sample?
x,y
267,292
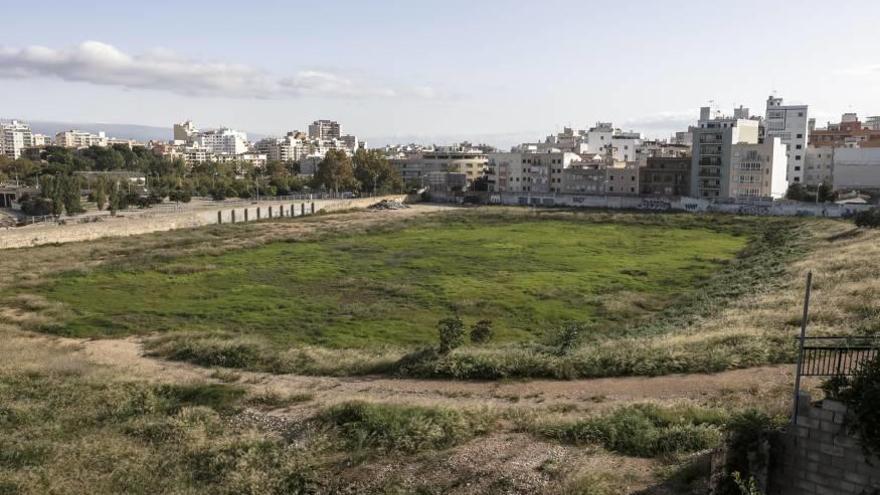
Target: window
x,y
800,114
797,157
800,136
797,169
797,147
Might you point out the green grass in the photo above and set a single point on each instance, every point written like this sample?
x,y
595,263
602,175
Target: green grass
x,y
391,287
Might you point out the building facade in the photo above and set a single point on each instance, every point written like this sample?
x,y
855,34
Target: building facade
x,y
325,129
223,141
714,137
665,176
80,139
790,124
758,170
856,169
15,137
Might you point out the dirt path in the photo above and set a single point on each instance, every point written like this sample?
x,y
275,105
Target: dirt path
x,y
127,356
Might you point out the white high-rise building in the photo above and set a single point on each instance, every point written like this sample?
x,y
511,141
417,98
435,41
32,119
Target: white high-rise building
x,y
223,140
713,140
15,137
790,123
291,147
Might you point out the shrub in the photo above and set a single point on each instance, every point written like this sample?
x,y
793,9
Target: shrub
x,y
565,338
451,332
644,430
868,218
861,394
747,447
481,332
403,428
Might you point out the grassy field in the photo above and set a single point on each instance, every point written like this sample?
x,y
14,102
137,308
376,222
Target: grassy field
x,y
391,288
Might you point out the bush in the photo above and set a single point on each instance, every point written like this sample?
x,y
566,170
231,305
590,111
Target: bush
x,y
181,195
403,428
481,332
644,430
868,218
861,394
747,447
451,332
565,338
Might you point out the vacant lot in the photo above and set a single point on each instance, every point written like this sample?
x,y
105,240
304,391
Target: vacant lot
x,y
527,275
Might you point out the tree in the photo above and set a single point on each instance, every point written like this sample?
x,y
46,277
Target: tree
x,y
451,332
868,218
115,200
796,192
335,172
72,195
375,173
826,193
100,194
481,332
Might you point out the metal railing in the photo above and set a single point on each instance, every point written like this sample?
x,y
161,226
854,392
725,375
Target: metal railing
x,y
837,356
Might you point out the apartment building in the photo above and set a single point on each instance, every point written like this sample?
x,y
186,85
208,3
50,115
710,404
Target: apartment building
x,y
622,179
790,124
325,129
530,170
80,139
222,141
758,170
819,166
848,133
185,132
292,147
665,176
714,138
587,177
473,163
625,146
15,137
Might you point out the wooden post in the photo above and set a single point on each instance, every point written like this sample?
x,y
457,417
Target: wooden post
x,y
313,207
245,214
302,209
233,216
292,210
270,212
219,217
800,364
258,213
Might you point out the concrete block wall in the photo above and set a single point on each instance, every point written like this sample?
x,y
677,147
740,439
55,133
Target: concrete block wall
x,y
141,224
819,456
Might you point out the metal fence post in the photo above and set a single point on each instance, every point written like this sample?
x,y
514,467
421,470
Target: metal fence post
x,y
800,364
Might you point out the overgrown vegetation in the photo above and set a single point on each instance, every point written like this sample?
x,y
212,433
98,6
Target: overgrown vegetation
x,y
868,218
747,448
404,428
861,394
642,430
562,300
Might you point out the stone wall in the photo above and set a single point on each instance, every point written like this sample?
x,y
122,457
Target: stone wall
x,y
162,221
817,455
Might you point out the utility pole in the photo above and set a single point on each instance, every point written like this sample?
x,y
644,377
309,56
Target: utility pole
x,y
800,364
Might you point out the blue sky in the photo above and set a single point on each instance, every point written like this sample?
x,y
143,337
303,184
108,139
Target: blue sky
x,y
492,70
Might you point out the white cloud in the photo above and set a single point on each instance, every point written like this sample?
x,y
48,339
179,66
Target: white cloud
x,y
665,122
99,63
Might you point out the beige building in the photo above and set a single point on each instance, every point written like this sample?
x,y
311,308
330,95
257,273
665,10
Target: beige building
x,y
80,139
758,170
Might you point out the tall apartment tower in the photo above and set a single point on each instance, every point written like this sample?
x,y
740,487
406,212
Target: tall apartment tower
x,y
714,139
15,137
790,123
325,129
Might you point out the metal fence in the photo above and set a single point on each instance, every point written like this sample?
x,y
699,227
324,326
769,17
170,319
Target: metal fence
x,y
837,356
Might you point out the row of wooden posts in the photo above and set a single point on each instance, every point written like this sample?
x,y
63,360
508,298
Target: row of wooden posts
x,y
281,212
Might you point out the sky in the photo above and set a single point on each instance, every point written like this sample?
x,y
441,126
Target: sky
x,y
434,71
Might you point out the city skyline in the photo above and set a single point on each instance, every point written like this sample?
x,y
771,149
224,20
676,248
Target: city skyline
x,y
499,72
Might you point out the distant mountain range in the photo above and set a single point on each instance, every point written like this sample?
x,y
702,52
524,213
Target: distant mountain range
x,y
146,133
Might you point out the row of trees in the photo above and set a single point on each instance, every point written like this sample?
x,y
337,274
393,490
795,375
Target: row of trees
x,y
366,171
822,193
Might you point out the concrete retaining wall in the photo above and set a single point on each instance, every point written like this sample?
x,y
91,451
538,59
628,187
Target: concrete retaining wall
x,y
817,455
142,224
768,208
